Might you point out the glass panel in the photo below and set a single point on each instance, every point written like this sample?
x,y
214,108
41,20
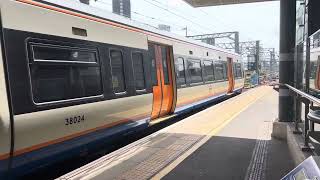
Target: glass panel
x,y
118,80
154,78
180,71
47,53
225,70
54,83
165,65
208,70
238,70
218,71
194,68
313,73
138,70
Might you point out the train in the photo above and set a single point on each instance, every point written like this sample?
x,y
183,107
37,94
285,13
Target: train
x,y
314,75
73,76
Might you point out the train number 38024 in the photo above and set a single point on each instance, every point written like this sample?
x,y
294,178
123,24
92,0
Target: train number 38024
x,y
74,120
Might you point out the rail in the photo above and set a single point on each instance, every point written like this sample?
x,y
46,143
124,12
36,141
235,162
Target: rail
x,y
303,94
307,99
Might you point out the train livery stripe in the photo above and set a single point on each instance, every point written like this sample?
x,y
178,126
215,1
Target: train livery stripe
x,y
100,20
65,138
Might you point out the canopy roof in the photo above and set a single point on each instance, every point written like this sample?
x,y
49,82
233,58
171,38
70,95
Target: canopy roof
x,y
203,3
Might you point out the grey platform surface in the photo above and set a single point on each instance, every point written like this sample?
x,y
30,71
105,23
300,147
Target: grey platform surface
x,y
242,150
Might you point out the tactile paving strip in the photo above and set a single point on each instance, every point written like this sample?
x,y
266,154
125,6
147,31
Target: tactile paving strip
x,y
142,159
257,166
157,161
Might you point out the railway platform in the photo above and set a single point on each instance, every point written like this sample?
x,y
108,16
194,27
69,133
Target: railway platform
x,y
231,140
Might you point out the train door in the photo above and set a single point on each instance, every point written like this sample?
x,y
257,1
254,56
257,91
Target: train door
x,y
162,80
230,75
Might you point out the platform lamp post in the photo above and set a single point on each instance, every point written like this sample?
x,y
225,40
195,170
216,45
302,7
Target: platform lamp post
x,y
286,63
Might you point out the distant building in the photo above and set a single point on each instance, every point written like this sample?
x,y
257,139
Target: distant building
x,y
164,27
122,7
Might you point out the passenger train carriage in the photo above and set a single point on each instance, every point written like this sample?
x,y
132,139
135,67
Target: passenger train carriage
x,y
73,76
314,75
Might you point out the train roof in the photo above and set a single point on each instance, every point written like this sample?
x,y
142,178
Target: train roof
x,y
100,13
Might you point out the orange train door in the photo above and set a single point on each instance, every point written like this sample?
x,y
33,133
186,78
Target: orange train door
x,y
230,75
163,88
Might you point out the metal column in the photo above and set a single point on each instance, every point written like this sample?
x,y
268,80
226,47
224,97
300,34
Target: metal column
x,y
286,69
257,56
236,42
298,84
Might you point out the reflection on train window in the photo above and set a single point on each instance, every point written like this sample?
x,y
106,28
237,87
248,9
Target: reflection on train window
x,y
180,71
225,73
54,53
194,68
314,76
237,70
118,80
53,81
138,70
164,55
208,71
218,71
313,69
154,78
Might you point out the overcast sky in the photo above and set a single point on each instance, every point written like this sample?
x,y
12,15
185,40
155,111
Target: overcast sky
x,y
255,21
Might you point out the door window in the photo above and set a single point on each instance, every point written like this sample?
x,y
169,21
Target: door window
x,y
153,64
164,54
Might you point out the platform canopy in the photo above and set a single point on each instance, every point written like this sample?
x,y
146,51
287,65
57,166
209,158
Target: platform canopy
x,y
203,3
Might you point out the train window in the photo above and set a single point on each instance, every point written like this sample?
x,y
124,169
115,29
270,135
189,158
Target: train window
x,y
180,71
164,52
218,71
235,70
195,71
208,71
225,70
154,78
67,80
238,70
118,80
137,58
313,69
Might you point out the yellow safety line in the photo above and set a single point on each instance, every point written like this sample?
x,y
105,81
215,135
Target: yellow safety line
x,y
216,130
